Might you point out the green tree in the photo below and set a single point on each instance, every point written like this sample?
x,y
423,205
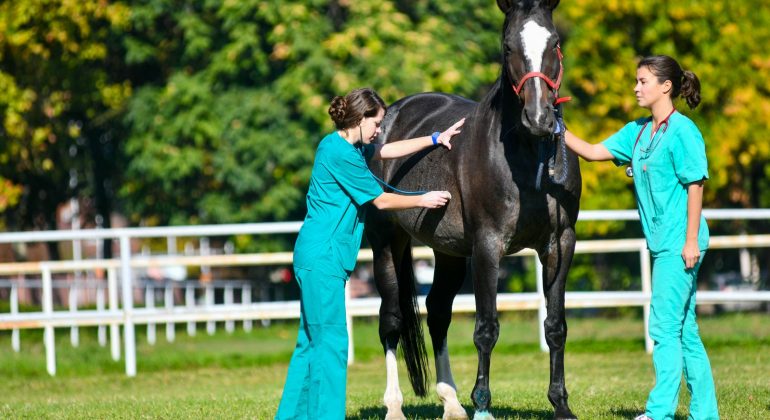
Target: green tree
x,y
59,98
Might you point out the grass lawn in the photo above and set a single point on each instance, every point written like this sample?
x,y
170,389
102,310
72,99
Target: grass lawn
x,y
240,375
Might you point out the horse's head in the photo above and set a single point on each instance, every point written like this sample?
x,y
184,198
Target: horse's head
x,y
532,60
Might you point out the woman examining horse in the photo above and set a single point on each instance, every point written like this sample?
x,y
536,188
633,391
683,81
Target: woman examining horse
x,y
327,247
666,157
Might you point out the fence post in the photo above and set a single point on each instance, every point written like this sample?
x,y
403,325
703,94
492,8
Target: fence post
x,y
101,329
15,340
189,302
112,294
211,326
647,290
229,324
246,300
129,336
48,332
168,300
541,311
73,304
149,303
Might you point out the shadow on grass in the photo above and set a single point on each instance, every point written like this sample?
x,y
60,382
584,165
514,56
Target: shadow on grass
x,y
435,411
630,413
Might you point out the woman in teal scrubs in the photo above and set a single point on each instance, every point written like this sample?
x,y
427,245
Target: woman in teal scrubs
x,y
325,253
667,158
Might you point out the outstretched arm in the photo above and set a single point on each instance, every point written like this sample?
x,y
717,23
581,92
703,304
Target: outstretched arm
x,y
588,151
429,200
403,148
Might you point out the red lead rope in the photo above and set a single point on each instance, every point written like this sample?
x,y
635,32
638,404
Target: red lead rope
x,y
554,85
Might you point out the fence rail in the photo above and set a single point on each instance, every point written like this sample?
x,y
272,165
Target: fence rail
x,y
118,308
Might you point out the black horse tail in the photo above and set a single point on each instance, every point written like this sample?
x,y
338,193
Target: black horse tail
x,y
412,339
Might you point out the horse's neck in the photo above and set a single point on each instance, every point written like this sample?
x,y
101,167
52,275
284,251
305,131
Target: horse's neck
x,y
502,108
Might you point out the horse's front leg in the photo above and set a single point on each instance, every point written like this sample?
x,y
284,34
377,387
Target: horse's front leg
x,y
556,258
487,252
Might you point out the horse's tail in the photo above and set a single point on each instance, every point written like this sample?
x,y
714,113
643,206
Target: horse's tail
x,y
412,340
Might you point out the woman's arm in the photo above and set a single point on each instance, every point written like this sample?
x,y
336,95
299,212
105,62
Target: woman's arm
x,y
429,200
403,148
691,251
588,151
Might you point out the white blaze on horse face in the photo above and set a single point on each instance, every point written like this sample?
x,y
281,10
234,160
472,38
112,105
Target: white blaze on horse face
x,y
534,38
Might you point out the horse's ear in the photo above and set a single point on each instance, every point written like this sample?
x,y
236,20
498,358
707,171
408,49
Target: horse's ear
x,y
505,5
551,4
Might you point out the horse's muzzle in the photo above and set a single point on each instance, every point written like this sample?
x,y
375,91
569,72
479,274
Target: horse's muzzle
x,y
539,120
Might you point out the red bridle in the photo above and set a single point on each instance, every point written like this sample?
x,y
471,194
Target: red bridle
x,y
554,85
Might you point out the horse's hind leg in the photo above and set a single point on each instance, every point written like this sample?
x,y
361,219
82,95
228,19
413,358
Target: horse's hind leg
x,y
447,280
388,246
556,259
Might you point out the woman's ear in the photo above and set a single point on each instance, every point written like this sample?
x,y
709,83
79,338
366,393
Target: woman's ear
x,y
667,85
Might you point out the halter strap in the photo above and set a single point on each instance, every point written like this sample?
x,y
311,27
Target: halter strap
x,y
553,85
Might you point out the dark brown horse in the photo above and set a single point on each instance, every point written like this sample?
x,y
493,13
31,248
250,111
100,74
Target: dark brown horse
x,y
504,200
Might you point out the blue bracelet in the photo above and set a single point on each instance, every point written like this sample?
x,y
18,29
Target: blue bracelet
x,y
434,137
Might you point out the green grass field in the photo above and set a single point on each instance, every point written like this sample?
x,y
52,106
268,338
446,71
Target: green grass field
x,y
241,375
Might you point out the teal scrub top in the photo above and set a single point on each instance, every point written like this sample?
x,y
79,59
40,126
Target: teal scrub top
x,y
340,187
663,167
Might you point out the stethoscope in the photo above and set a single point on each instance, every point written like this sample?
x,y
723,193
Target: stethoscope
x,y
663,126
378,179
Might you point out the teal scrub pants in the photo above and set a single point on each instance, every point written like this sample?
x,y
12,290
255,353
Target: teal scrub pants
x,y
315,384
678,345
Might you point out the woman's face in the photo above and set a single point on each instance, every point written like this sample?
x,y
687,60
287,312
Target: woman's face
x,y
370,126
648,90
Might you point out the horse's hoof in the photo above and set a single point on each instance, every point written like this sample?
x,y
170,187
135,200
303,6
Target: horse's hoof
x,y
483,415
455,415
395,415
564,415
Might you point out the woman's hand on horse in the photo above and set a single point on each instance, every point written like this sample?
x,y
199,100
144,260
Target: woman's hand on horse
x,y
435,199
450,132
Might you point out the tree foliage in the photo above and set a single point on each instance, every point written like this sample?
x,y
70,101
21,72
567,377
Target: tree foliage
x,y
56,84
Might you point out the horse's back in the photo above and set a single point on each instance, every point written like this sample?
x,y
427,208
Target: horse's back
x,y
434,169
424,113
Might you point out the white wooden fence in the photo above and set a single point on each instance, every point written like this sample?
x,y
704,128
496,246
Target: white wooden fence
x,y
113,314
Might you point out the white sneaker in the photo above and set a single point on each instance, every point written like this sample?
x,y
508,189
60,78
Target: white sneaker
x,y
642,417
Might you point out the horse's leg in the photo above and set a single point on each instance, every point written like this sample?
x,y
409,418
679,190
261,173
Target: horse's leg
x,y
388,247
556,258
447,280
486,260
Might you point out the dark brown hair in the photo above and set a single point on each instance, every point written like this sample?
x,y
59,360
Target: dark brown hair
x,y
683,82
361,103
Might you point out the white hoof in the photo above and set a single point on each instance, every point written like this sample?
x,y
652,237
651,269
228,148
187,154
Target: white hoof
x,y
452,408
395,414
483,415
455,414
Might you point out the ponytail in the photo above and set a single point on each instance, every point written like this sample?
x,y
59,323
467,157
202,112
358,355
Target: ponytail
x,y
690,89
